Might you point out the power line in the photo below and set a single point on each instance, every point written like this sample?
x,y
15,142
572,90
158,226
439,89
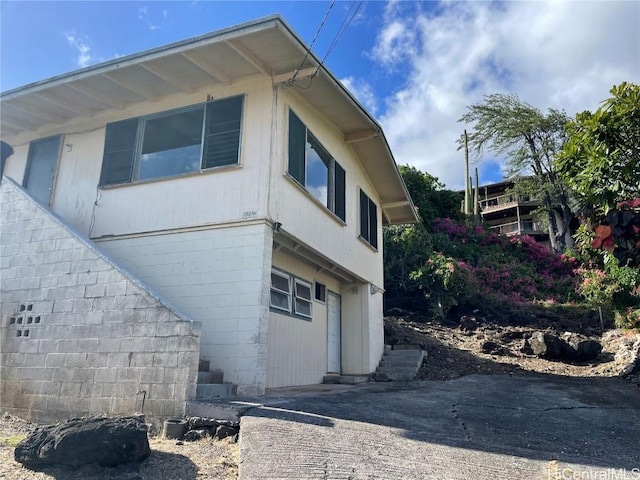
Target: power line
x,y
326,15
343,28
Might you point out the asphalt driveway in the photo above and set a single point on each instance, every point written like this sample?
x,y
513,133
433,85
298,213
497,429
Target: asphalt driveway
x,y
475,427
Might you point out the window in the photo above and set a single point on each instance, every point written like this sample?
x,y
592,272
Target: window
x,y
303,298
314,168
42,164
280,291
290,294
321,292
173,143
368,220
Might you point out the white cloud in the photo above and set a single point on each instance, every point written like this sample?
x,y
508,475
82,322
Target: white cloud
x,y
85,56
363,93
551,54
143,14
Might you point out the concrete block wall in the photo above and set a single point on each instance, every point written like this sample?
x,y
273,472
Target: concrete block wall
x,y
79,335
218,276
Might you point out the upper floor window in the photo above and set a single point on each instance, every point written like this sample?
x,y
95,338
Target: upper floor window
x,y
314,168
368,220
173,143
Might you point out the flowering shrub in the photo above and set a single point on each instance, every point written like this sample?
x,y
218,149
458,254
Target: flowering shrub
x,y
445,281
515,269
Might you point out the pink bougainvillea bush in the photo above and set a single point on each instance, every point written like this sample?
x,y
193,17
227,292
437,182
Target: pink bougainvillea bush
x,y
471,264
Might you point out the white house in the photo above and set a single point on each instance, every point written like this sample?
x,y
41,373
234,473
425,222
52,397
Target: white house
x,y
237,178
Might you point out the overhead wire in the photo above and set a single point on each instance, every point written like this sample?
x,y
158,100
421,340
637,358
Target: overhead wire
x,y
315,37
343,28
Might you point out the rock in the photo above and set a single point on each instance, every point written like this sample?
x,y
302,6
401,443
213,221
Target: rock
x,y
546,345
583,349
195,435
493,348
468,324
224,432
82,441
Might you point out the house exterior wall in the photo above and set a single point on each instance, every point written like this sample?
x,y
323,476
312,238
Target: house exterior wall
x,y
219,277
297,347
304,217
160,204
167,232
77,334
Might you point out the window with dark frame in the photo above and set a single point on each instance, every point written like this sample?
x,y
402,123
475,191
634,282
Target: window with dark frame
x,y
280,291
368,220
291,295
173,143
314,168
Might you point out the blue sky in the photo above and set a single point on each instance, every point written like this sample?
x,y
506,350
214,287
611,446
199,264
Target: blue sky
x,y
415,65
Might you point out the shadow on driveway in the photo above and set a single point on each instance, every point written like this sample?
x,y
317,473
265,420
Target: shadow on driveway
x,y
478,426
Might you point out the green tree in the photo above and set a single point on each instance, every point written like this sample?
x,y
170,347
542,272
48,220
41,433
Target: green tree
x,y
601,159
407,248
430,196
530,139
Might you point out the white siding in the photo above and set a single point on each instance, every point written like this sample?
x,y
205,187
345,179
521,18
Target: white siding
x,y
214,197
217,277
297,348
303,217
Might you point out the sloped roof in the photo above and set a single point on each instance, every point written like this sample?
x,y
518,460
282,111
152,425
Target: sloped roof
x,y
265,46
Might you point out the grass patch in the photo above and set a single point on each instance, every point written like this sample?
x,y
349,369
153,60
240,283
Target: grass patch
x,y
12,441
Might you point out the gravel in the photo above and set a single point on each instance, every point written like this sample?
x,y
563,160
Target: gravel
x,y
170,459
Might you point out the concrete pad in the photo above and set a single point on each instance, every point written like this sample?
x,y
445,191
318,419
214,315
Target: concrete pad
x,y
480,427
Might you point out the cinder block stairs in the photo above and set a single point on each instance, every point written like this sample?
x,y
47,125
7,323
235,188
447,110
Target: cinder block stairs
x,y
400,363
211,384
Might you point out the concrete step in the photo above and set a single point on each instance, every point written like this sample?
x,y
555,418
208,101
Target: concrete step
x,y
205,391
217,376
345,379
400,364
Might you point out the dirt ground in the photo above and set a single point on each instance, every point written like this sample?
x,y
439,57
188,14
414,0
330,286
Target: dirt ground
x,y
494,346
170,459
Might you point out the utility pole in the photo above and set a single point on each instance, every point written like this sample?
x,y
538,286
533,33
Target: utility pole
x,y
467,188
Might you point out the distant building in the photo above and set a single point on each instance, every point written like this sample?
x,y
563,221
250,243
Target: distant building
x,y
506,213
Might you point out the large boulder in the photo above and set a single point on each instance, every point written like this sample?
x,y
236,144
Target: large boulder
x,y
82,441
547,345
581,348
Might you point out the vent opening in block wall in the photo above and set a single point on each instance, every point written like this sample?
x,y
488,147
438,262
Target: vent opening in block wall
x,y
18,333
12,320
25,333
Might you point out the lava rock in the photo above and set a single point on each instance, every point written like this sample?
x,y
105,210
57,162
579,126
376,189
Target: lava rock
x,y
82,441
195,435
547,345
581,348
468,324
493,348
224,432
